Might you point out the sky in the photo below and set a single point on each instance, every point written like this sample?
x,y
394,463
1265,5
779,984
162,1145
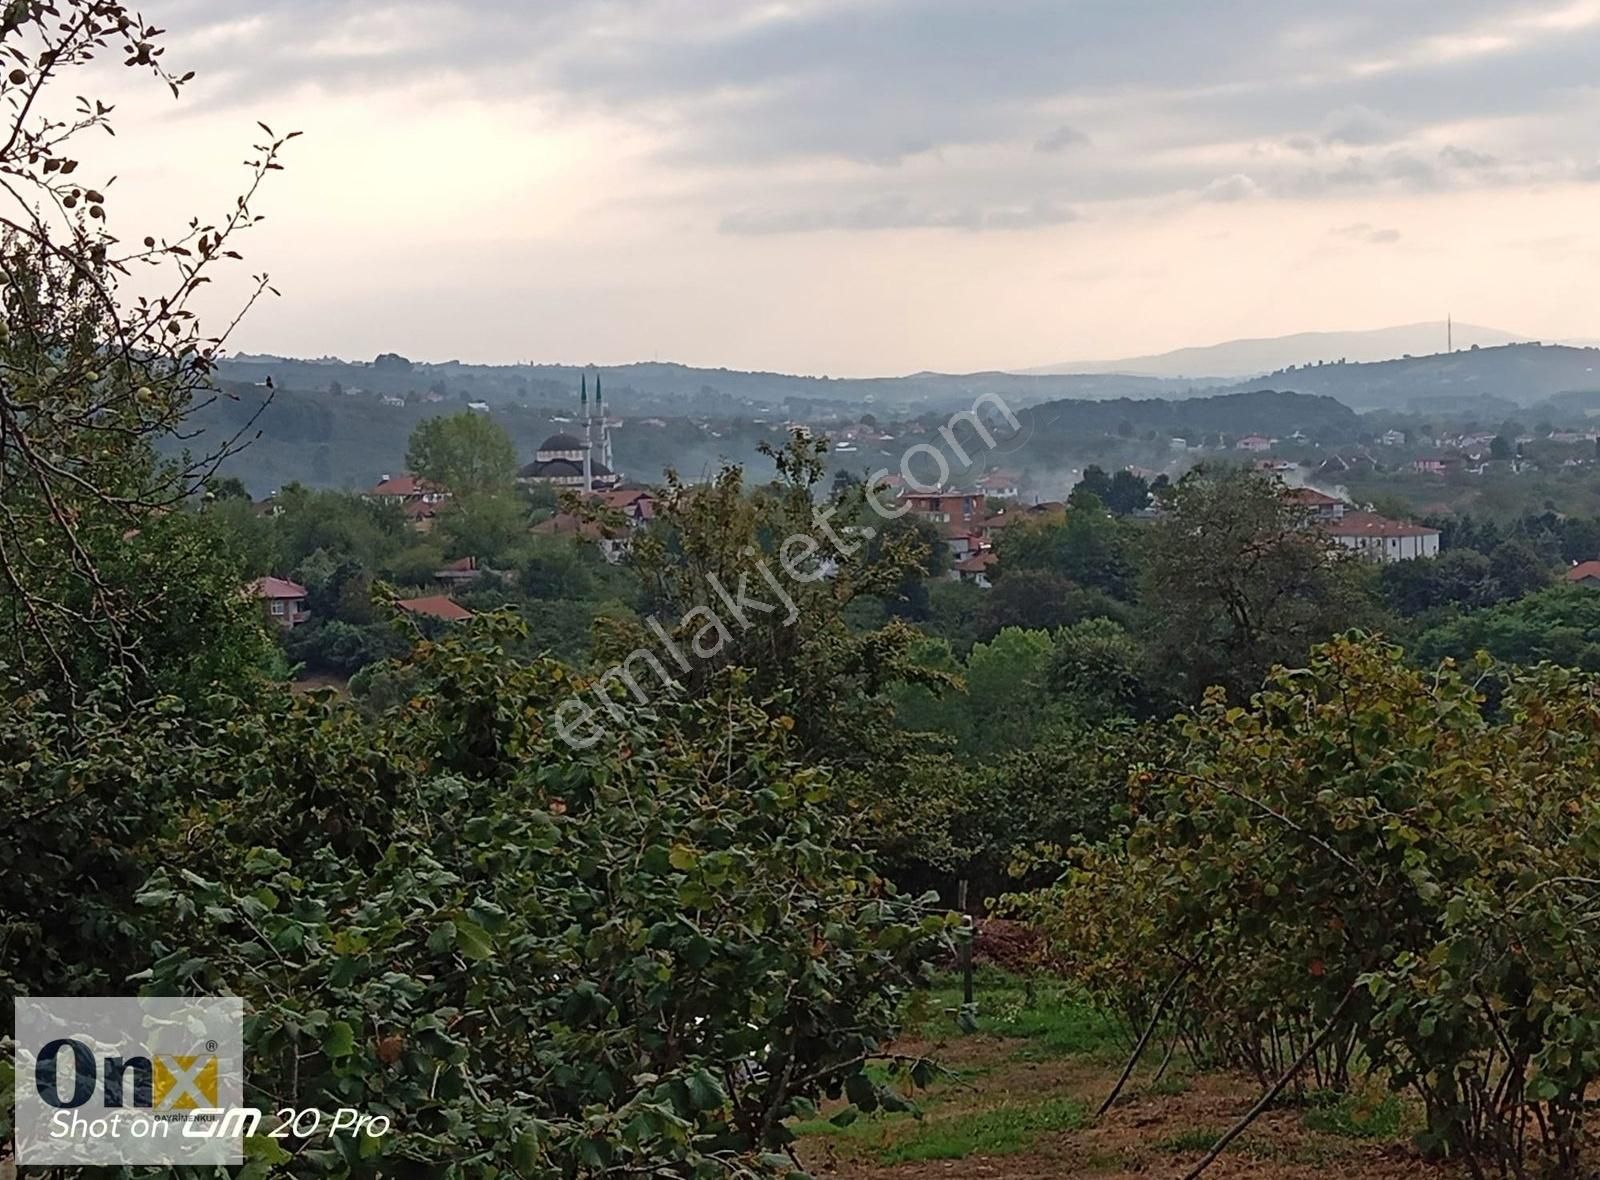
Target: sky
x,y
860,187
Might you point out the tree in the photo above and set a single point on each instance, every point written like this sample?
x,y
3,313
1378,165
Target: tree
x,y
1127,493
1500,447
1038,600
1098,671
1238,579
468,454
1517,569
1095,482
1457,577
91,379
1006,683
1559,625
227,488
1088,546
484,526
1366,869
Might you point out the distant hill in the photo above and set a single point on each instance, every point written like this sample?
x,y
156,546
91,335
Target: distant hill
x,y
1522,374
1253,358
663,387
1257,411
351,440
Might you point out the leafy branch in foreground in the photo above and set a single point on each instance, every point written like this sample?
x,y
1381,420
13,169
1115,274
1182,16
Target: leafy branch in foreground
x,y
90,381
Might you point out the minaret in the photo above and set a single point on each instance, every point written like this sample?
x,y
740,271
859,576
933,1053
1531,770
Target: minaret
x,y
605,430
588,436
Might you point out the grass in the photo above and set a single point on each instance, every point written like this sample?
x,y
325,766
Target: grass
x,y
1041,1058
1190,1139
1169,1087
997,1130
1355,1116
1050,1016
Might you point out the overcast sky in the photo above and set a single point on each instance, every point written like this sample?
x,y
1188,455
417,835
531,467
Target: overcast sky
x,y
881,186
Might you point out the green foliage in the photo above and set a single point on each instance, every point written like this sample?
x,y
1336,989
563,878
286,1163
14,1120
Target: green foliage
x,y
1006,686
1364,867
1370,1115
1559,625
1097,671
1238,580
468,453
487,526
1088,547
536,961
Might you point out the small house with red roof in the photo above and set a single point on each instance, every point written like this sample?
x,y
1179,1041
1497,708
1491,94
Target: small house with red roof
x,y
405,488
285,600
435,606
1319,505
1380,539
977,568
1585,573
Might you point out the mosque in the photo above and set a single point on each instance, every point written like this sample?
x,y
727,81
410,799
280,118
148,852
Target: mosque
x,y
567,461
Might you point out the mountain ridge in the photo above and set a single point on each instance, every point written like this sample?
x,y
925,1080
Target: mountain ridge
x,y
1254,356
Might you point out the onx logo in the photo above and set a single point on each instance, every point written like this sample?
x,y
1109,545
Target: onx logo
x,y
109,1080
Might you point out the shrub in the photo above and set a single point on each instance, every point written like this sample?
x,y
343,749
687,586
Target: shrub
x,y
1363,866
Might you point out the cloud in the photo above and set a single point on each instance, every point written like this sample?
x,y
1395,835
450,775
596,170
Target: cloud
x,y
898,212
1466,158
1225,189
1062,137
1358,126
898,105
1371,234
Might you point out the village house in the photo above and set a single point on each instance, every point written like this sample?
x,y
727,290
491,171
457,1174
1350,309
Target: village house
x,y
637,505
285,600
1380,539
1253,442
612,540
461,572
962,542
1002,484
946,507
976,569
406,487
1320,505
1585,573
435,606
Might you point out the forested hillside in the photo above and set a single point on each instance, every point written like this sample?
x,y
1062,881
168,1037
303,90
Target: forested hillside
x,y
1521,374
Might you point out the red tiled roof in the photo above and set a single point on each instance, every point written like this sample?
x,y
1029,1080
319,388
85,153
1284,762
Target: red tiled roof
x,y
978,562
461,565
566,524
270,587
1311,497
1583,571
420,510
435,606
403,485
1367,524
